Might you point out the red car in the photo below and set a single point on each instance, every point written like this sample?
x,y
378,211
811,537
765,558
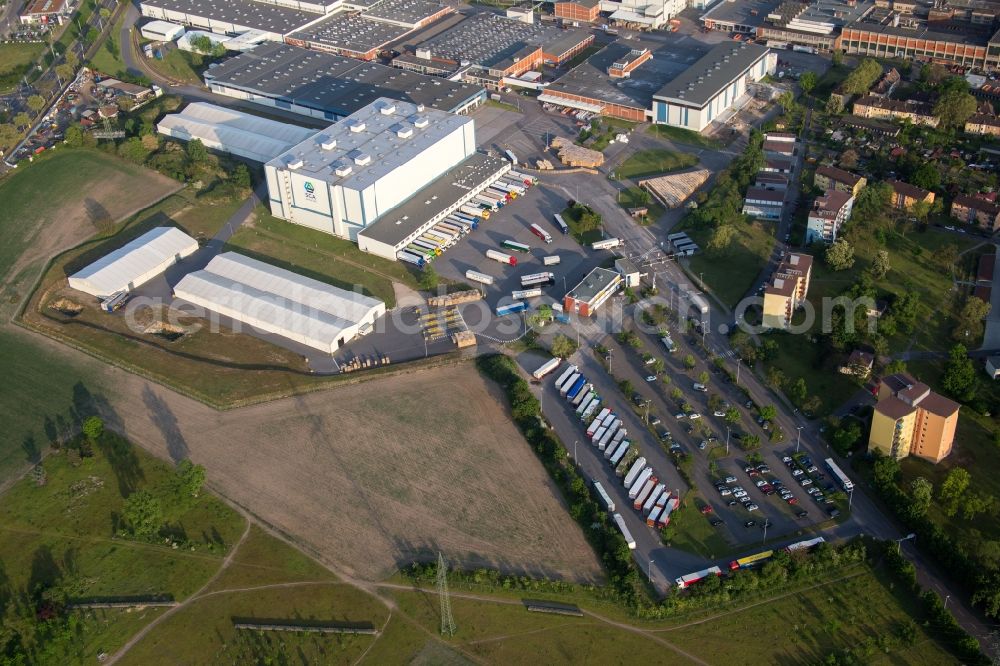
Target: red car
x,y
792,500
707,509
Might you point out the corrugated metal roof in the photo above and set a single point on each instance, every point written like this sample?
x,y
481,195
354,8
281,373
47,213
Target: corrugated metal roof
x,y
134,261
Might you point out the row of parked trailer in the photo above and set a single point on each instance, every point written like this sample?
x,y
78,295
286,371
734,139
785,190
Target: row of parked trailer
x,y
608,434
466,218
747,562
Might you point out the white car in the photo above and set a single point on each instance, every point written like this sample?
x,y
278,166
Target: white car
x,y
725,492
752,507
739,493
696,415
718,413
651,378
760,482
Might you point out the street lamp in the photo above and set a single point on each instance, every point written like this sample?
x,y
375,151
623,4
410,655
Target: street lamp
x,y
850,499
947,597
727,440
909,536
649,572
575,442
767,521
798,440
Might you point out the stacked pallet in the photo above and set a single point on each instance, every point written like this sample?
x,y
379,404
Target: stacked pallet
x,y
464,339
673,189
445,300
573,155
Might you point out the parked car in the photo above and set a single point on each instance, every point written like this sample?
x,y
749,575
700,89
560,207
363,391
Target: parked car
x,y
730,479
752,507
696,415
805,482
802,514
650,378
716,522
718,413
750,523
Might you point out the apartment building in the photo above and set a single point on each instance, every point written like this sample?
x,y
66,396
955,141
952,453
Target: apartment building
x,y
982,123
787,291
976,210
918,113
828,214
905,195
910,419
764,204
831,178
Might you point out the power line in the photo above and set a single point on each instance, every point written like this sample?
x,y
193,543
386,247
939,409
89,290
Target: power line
x,y
448,627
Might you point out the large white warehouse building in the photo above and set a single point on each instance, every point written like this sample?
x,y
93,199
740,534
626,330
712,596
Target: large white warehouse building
x,y
231,131
274,300
347,177
134,263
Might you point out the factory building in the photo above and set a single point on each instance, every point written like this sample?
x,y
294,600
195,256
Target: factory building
x,y
280,302
231,131
712,86
348,176
328,87
233,17
135,263
593,291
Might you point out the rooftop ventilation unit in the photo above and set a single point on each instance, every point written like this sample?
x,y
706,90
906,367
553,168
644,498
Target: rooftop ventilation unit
x,y
421,122
403,131
420,108
342,168
294,163
361,159
357,126
387,109
328,143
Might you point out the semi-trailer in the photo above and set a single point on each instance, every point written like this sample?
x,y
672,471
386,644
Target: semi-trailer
x,y
564,377
650,502
410,258
609,503
622,451
526,179
488,202
547,367
595,425
513,308
653,516
619,436
551,260
614,423
585,403
576,388
602,415
456,230
515,246
534,279
583,396
620,522
476,276
511,156
602,444
541,233
668,508
474,211
591,408
842,478
690,579
564,389
640,496
561,223
646,475
526,293
633,473
596,437
606,244
501,257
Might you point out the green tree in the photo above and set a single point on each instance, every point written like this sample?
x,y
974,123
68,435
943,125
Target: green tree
x,y
969,323
196,151
201,44
921,210
797,391
927,176
786,101
880,265
721,239
689,362
954,108
863,77
840,255
428,280
93,428
845,437
775,377
189,478
74,136
64,71
36,103
921,494
952,489
834,105
22,121
133,150
703,378
563,346
241,176
143,514
8,134
732,416
768,412
808,81
959,378
750,442
837,57
676,393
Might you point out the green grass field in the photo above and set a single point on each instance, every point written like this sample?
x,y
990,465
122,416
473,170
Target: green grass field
x,y
730,276
179,65
108,58
572,219
62,536
680,135
692,532
632,198
16,59
654,162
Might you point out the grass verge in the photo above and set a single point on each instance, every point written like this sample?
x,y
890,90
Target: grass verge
x,y
680,135
654,162
16,60
731,275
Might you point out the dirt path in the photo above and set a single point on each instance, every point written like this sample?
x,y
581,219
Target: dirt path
x,y
184,604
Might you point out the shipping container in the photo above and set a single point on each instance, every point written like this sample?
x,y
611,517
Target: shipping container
x,y
541,233
501,257
620,522
622,451
634,471
546,367
551,260
609,503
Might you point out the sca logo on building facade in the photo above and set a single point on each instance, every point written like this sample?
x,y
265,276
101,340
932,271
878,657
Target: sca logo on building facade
x,y
310,191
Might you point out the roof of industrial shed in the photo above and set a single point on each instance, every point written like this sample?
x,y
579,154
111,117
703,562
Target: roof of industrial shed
x,y
745,12
879,21
718,68
805,17
240,132
286,300
351,31
409,12
367,143
434,199
119,268
333,83
490,40
257,15
590,78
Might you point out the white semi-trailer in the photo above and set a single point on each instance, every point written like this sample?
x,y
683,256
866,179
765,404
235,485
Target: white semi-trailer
x,y
620,522
546,367
646,475
622,451
650,502
609,503
476,276
566,387
634,472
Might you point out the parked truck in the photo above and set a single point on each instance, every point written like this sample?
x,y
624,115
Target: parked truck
x,y
575,389
568,384
476,276
622,451
606,244
547,367
513,308
541,233
501,257
640,497
690,579
594,404
602,443
564,377
645,476
583,396
650,502
609,503
635,471
620,522
550,260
